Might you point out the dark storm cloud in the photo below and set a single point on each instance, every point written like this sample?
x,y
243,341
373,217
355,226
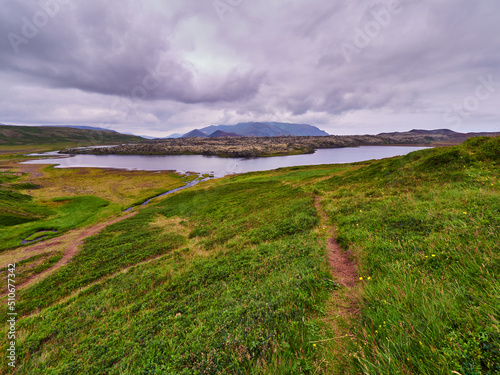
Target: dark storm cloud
x,y
178,62
107,47
421,46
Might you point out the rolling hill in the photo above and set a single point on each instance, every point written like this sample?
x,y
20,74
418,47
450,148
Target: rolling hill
x,y
222,134
196,133
11,135
436,136
247,274
79,127
260,129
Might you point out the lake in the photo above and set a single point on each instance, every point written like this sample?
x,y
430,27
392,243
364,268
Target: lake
x,y
221,167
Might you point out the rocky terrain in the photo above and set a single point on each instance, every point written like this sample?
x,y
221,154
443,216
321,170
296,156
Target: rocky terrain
x,y
274,146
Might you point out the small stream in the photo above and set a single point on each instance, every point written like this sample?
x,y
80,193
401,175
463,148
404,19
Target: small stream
x,y
41,237
188,185
45,233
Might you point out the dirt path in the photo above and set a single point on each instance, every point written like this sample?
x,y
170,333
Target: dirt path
x,y
343,269
69,244
343,306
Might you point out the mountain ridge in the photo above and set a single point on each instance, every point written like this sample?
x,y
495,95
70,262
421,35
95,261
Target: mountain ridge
x,y
260,129
221,134
12,135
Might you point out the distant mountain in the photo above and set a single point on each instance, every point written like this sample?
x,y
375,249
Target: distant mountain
x,y
490,134
298,129
196,133
175,135
138,135
83,127
266,129
436,135
35,135
221,134
446,132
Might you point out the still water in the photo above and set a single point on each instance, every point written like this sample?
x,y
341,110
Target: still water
x,y
220,167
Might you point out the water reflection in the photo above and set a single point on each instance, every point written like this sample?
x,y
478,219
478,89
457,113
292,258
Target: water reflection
x,y
221,167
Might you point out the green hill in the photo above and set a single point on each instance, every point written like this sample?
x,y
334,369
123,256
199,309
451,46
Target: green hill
x,y
33,135
232,276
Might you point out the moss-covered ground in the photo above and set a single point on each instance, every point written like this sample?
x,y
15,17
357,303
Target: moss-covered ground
x,y
231,276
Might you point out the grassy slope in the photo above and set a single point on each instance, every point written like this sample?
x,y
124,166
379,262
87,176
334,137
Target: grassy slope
x,y
33,135
63,199
230,277
121,187
427,231
72,213
244,275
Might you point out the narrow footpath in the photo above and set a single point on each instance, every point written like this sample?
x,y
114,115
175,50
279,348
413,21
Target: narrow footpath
x,y
69,244
342,308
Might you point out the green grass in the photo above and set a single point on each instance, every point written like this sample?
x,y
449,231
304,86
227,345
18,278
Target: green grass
x,y
36,135
121,188
426,229
70,212
32,266
16,208
230,277
237,282
29,207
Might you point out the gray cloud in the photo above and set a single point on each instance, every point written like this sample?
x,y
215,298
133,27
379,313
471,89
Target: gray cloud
x,y
112,48
176,65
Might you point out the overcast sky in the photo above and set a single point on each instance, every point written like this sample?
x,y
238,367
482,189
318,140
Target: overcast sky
x,y
156,67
